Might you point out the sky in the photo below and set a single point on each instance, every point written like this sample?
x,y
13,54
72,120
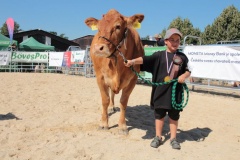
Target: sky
x,y
68,16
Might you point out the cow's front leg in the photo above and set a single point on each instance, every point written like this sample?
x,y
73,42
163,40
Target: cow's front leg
x,y
123,106
105,103
122,121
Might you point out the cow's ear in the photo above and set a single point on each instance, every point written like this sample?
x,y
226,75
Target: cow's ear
x,y
91,23
135,20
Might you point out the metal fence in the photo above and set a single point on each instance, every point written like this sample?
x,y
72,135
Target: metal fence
x,y
82,69
86,69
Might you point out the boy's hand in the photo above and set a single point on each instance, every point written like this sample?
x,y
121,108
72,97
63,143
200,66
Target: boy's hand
x,y
129,63
181,79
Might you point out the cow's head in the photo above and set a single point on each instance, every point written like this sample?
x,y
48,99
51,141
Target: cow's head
x,y
112,31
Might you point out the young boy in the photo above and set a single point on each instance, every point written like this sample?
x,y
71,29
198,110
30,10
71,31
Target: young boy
x,y
164,66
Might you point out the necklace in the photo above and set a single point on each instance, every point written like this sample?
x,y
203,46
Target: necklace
x,y
167,78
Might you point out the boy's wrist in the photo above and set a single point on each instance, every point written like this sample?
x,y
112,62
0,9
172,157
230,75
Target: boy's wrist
x,y
133,61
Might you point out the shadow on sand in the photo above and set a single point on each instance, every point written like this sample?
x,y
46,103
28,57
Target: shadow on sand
x,y
142,117
8,116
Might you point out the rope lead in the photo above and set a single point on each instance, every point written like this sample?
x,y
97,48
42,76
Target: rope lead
x,y
175,105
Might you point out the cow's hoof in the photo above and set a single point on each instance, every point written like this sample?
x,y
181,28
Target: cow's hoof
x,y
123,131
102,128
112,110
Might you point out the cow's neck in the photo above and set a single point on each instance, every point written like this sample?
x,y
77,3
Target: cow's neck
x,y
123,49
116,62
114,59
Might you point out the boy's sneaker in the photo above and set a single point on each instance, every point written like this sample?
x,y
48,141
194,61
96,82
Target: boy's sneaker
x,y
175,144
156,142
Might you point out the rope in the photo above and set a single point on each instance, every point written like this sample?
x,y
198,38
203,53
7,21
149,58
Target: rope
x,y
175,105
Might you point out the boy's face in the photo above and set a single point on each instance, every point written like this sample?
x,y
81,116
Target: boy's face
x,y
172,43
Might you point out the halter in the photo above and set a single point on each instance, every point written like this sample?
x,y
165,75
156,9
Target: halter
x,y
117,46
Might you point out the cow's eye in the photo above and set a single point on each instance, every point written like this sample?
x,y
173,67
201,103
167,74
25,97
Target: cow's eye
x,y
118,27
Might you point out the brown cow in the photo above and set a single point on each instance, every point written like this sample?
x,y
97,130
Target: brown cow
x,y
115,41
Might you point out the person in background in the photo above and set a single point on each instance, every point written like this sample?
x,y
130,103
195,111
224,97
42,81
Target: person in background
x,y
159,40
236,84
164,66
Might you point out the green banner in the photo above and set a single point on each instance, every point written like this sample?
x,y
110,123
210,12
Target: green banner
x,y
38,57
150,50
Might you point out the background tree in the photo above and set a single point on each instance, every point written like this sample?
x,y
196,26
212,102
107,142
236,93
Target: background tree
x,y
226,27
61,35
145,38
186,28
52,32
4,29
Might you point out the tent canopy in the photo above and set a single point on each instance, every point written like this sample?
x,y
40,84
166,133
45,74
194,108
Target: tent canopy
x,y
5,42
31,44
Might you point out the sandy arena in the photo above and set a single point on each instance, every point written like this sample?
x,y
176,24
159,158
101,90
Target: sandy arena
x,y
56,116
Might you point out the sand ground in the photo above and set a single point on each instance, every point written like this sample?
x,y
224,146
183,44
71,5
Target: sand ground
x,y
56,116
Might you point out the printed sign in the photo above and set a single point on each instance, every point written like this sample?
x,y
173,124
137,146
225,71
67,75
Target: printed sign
x,y
77,57
214,62
38,57
55,59
66,59
5,58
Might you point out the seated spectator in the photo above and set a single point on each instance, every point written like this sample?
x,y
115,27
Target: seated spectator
x,y
159,39
191,79
37,69
236,84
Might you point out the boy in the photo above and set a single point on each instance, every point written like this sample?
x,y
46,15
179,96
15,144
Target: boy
x,y
164,66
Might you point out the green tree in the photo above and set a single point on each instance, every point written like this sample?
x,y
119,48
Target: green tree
x,y
226,27
145,38
52,32
186,28
208,35
61,35
4,29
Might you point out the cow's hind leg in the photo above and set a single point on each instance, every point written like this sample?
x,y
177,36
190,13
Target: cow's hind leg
x,y
111,108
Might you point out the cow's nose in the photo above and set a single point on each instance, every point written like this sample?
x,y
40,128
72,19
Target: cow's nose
x,y
99,47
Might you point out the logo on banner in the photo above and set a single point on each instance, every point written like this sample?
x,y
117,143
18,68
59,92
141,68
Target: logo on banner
x,y
66,59
77,57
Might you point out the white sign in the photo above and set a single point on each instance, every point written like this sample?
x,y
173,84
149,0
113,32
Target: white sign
x,y
5,57
77,56
55,59
38,57
214,62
